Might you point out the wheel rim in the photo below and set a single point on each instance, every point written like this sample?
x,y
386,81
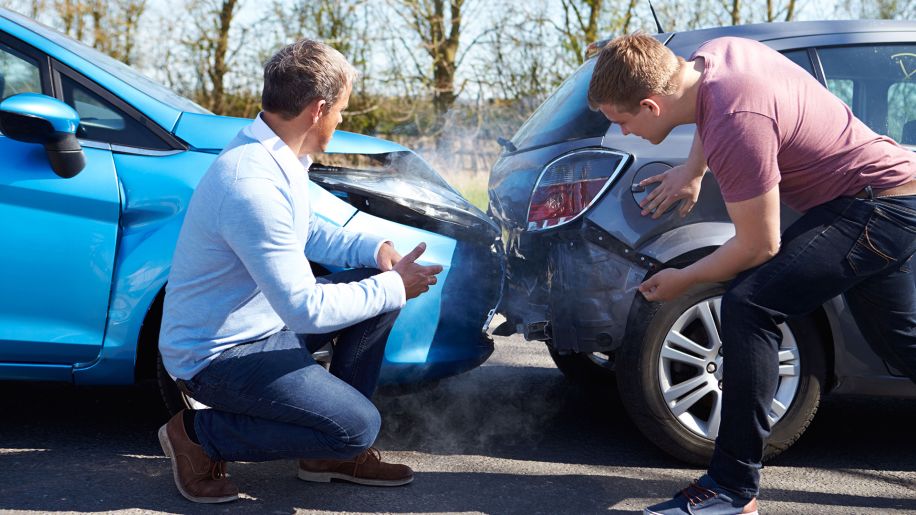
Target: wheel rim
x,y
690,370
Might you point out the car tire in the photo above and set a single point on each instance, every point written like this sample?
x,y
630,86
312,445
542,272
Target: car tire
x,y
644,376
585,369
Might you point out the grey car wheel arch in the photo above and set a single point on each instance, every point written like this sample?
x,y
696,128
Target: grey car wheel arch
x,y
687,238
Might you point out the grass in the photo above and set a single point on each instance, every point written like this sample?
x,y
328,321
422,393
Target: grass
x,y
473,186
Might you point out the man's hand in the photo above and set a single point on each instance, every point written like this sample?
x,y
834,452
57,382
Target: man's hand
x,y
387,257
417,278
665,285
680,183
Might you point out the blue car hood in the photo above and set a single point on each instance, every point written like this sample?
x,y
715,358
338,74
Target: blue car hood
x,y
207,132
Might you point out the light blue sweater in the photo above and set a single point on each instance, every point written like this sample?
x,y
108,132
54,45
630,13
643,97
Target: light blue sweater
x,y
240,273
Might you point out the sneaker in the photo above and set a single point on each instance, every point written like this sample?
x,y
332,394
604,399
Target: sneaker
x,y
198,478
365,469
705,496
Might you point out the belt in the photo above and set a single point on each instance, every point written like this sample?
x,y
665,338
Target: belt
x,y
905,189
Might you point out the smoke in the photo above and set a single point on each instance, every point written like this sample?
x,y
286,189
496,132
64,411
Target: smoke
x,y
489,408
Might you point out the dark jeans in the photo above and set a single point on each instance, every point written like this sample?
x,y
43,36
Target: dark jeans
x,y
271,400
860,248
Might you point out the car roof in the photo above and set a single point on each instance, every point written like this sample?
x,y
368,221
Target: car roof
x,y
688,40
780,30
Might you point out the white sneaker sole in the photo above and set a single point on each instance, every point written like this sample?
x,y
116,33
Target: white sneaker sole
x,y
647,511
170,453
326,477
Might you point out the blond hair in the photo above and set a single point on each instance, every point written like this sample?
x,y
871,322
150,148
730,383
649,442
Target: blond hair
x,y
631,68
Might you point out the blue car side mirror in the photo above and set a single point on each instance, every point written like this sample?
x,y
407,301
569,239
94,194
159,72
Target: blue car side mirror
x,y
35,118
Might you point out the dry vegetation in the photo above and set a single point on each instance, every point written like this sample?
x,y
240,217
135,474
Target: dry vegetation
x,y
446,77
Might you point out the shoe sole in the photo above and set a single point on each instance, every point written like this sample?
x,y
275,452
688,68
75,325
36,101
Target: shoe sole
x,y
647,511
326,477
170,453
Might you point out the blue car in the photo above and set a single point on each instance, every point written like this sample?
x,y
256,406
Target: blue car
x,y
99,166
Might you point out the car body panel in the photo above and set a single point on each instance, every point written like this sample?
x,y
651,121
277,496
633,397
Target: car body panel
x,y
156,194
56,290
414,329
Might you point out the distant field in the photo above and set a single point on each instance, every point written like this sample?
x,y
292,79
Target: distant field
x,y
473,186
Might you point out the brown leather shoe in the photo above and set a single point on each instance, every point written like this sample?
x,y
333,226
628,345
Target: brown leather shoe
x,y
197,477
365,469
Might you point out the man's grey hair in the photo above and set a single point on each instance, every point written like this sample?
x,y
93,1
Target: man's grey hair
x,y
301,73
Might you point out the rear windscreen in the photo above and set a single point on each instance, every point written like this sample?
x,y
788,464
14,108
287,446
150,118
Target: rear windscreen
x,y
564,115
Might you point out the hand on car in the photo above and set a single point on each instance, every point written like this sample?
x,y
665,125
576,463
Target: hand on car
x,y
417,278
667,284
387,257
680,183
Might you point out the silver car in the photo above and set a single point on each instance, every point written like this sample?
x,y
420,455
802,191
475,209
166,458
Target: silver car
x,y
565,194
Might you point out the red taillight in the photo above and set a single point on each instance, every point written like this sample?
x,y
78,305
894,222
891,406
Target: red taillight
x,y
569,185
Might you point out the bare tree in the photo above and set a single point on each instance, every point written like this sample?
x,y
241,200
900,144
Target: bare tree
x,y
124,27
438,26
880,9
342,24
775,12
71,14
208,49
734,10
346,25
586,21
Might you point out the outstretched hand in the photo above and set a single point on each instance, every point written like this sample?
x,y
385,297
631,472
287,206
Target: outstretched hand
x,y
677,184
417,278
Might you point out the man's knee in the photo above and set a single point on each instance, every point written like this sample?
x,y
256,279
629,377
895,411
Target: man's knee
x,y
364,429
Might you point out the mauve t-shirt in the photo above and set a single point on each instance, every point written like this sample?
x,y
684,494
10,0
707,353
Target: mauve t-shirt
x,y
764,121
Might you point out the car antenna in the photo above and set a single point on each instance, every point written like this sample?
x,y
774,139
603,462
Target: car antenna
x,y
658,24
506,144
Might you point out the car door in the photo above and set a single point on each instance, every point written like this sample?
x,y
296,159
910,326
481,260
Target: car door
x,y
57,241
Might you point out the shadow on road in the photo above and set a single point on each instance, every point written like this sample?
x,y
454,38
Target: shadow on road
x,y
64,447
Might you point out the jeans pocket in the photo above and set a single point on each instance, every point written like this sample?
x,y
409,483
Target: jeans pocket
x,y
887,239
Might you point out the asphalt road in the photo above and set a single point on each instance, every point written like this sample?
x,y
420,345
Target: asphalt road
x,y
510,437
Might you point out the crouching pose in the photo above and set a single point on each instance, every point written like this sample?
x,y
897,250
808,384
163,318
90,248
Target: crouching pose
x,y
243,311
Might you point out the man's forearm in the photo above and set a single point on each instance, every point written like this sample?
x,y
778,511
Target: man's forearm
x,y
727,261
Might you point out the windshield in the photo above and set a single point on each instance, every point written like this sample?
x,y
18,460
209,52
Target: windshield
x,y
110,65
564,115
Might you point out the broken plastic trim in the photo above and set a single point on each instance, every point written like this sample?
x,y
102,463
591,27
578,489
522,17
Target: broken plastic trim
x,y
403,187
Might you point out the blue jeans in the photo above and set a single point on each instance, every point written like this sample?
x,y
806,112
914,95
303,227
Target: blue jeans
x,y
271,400
859,248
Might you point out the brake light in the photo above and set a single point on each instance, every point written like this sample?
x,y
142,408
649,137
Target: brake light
x,y
569,185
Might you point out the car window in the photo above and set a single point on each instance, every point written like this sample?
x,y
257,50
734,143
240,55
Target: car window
x,y
100,120
901,108
564,115
800,57
18,73
842,88
878,82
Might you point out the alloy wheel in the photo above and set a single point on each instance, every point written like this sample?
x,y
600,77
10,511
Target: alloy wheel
x,y
691,364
